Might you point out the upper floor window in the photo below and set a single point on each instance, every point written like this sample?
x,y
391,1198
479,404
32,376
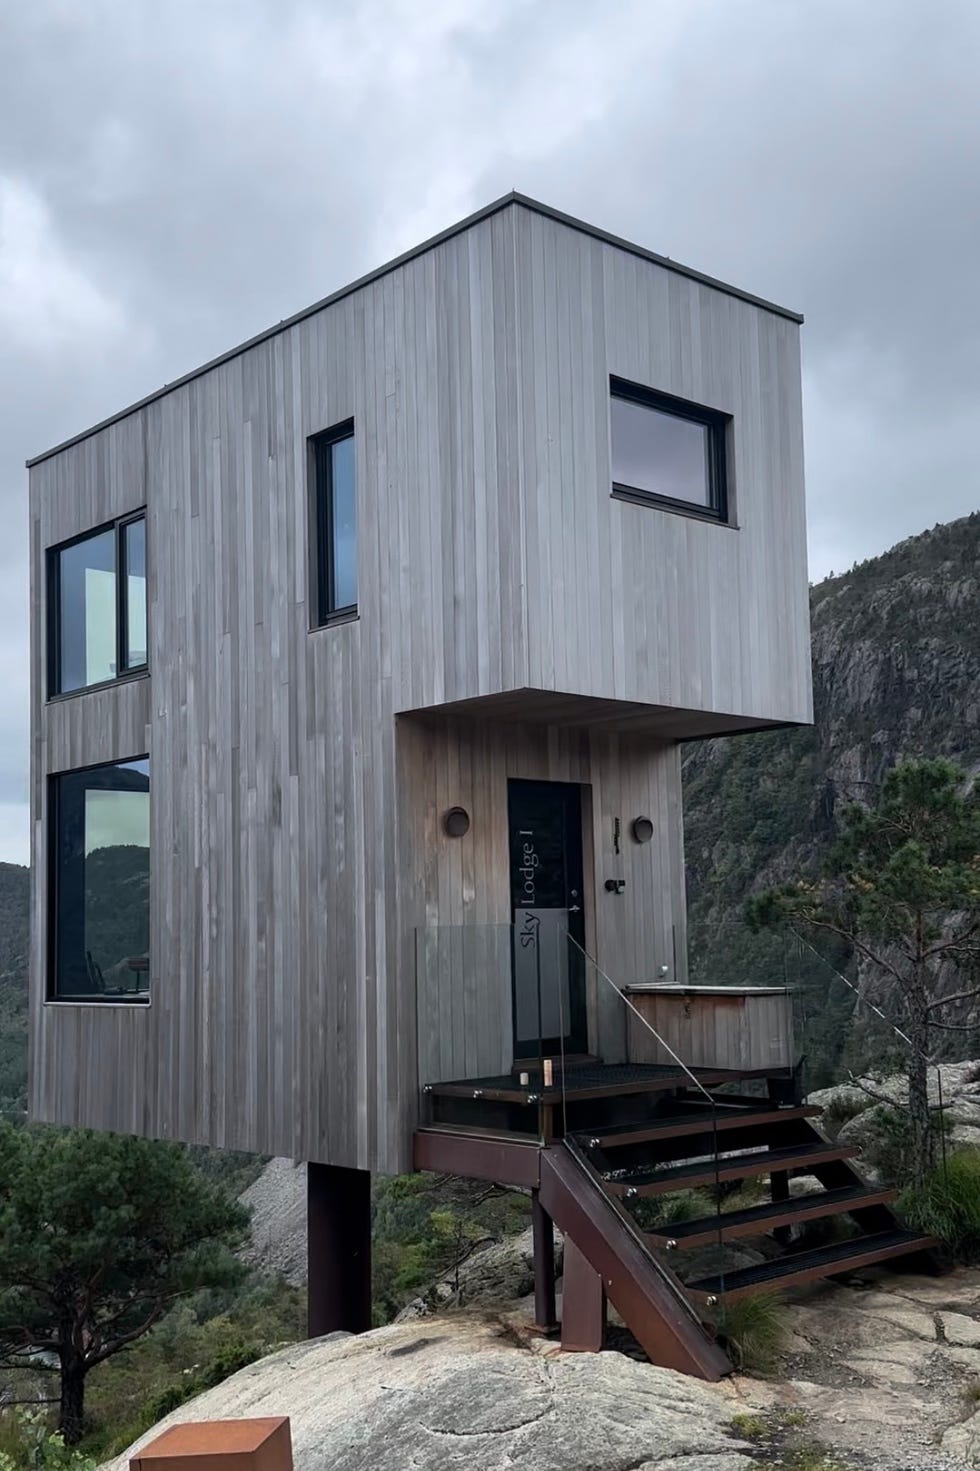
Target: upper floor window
x,y
667,451
100,875
97,606
334,525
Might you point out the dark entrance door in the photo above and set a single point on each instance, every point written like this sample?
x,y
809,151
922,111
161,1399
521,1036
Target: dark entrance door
x,y
546,890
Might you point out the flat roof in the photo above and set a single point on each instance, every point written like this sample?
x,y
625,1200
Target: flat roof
x,y
474,219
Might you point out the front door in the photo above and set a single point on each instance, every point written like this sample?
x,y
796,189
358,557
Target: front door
x,y
546,888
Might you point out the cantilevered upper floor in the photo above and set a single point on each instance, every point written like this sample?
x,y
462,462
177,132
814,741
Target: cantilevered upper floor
x,y
542,467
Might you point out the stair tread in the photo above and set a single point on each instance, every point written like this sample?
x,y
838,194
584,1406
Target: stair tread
x,y
825,1202
729,1116
862,1250
749,1160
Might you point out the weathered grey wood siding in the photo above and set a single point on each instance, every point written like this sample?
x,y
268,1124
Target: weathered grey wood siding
x,y
629,601
295,847
460,894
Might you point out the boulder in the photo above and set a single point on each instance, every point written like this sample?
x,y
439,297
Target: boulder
x,y
960,1091
466,1394
844,1096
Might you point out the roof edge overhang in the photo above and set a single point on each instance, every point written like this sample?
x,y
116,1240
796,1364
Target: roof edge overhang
x,y
504,202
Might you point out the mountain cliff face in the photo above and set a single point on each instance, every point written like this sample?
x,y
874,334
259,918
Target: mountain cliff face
x,y
896,673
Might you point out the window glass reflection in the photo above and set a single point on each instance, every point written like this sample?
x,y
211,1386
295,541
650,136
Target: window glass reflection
x,y
344,521
660,453
135,562
87,604
102,882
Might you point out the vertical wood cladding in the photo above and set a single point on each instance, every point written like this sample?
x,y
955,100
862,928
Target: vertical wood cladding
x,y
295,839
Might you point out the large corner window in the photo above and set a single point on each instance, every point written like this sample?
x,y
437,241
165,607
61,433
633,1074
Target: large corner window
x,y
100,881
668,452
334,528
97,607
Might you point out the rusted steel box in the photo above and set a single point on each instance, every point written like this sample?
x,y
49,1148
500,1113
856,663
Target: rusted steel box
x,y
220,1445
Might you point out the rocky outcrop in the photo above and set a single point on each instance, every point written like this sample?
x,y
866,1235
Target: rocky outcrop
x,y
865,1117
470,1394
879,1375
277,1241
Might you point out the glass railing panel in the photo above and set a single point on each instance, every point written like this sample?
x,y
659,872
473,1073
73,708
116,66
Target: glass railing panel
x,y
464,990
657,1123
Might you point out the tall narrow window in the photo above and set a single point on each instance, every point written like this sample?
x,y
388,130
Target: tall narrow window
x,y
668,452
335,524
134,592
97,606
100,873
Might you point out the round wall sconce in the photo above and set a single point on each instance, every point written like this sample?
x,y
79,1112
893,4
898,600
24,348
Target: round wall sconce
x,y
642,829
456,822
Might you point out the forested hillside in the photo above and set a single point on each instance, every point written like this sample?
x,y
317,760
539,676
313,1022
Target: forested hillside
x,y
14,912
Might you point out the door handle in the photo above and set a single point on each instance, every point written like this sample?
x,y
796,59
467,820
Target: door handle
x,y
574,908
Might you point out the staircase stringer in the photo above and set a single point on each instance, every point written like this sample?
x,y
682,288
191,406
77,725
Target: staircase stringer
x,y
648,1297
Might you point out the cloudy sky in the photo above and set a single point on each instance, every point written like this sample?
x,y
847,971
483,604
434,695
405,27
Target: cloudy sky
x,y
177,174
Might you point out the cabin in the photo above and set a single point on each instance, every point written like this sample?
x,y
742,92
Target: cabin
x,y
362,657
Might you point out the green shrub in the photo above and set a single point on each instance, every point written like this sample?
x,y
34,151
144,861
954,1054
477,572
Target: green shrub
x,y
840,1111
649,1212
753,1330
27,1443
947,1205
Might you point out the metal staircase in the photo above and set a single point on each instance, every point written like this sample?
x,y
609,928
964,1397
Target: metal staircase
x,y
603,1141
694,1143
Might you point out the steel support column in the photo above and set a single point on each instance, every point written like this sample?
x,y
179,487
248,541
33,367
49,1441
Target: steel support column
x,y
543,1237
583,1303
338,1244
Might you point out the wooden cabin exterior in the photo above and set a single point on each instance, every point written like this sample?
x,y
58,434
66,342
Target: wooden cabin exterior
x,y
372,638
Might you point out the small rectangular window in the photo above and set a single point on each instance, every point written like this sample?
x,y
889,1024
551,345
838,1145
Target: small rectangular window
x,y
97,606
335,525
667,451
100,875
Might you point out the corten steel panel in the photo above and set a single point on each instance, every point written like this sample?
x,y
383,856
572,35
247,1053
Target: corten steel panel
x,y
220,1445
583,1303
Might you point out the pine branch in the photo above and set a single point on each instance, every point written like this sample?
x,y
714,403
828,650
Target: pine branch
x,y
949,1000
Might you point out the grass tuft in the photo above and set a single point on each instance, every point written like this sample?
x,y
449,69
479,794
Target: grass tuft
x,y
753,1330
780,1433
947,1205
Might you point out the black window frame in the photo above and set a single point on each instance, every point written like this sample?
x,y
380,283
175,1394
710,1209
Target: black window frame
x,y
124,670
324,610
718,426
52,995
